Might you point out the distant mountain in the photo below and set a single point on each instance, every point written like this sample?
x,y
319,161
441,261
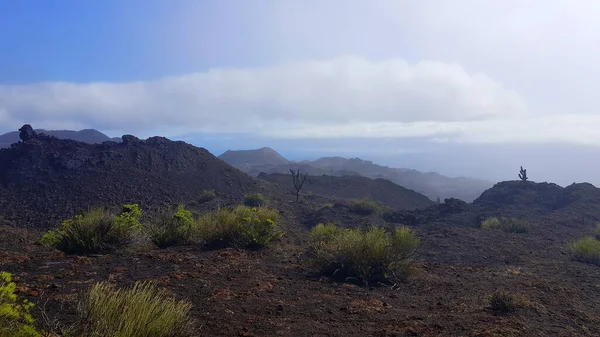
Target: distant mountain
x,y
430,184
262,156
89,136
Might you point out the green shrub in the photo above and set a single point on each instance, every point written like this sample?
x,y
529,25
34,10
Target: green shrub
x,y
15,319
140,311
369,256
586,250
255,200
207,195
597,230
502,302
171,228
506,224
95,231
364,207
241,227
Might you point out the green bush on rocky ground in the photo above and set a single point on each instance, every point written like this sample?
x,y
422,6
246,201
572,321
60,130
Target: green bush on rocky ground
x,y
140,311
368,256
95,231
241,227
171,228
364,207
506,225
586,250
255,200
15,317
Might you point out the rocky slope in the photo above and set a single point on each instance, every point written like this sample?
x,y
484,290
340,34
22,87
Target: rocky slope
x,y
45,179
354,187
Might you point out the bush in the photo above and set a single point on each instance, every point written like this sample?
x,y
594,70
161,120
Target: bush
x,y
207,195
502,302
368,256
95,231
255,200
142,310
171,228
364,207
586,250
15,319
505,224
241,227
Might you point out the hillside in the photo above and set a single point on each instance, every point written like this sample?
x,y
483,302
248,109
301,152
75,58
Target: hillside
x,y
430,184
45,179
276,290
90,136
356,187
262,156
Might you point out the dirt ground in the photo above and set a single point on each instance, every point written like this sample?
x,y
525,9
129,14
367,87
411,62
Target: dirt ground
x,y
274,292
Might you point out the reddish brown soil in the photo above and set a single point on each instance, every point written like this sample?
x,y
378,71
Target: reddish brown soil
x,y
274,293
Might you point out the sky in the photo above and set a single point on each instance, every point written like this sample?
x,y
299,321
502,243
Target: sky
x,y
464,87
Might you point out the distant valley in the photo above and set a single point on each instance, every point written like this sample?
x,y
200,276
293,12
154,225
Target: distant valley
x,y
430,184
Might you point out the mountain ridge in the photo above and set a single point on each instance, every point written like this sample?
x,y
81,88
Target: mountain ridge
x,y
431,184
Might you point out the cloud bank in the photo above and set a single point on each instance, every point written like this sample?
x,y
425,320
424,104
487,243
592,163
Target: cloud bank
x,y
346,96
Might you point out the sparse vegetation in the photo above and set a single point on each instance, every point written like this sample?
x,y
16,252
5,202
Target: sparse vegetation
x,y
586,250
171,228
364,207
502,303
368,256
207,195
255,200
506,224
15,317
298,181
141,311
95,231
241,227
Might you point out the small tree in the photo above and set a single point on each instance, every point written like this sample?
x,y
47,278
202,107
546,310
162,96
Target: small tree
x,y
523,174
298,181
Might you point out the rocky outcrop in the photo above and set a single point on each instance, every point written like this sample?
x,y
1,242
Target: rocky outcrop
x,y
44,179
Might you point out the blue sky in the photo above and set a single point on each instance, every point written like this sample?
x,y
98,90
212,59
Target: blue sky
x,y
412,80
111,40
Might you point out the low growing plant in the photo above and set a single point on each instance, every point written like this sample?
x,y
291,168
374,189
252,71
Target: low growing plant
x,y
364,207
95,231
171,228
368,256
241,227
207,195
586,250
501,302
255,200
15,317
505,224
141,311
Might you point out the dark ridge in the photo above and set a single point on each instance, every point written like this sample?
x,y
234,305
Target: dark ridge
x,y
44,179
90,136
355,187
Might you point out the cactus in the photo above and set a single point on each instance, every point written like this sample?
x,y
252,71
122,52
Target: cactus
x,y
523,174
298,181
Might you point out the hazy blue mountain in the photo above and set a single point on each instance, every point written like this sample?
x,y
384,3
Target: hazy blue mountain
x,y
431,184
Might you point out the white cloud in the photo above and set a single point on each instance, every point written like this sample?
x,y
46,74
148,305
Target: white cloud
x,y
317,95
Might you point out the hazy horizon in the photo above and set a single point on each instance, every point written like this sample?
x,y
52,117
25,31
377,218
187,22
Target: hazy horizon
x,y
463,88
